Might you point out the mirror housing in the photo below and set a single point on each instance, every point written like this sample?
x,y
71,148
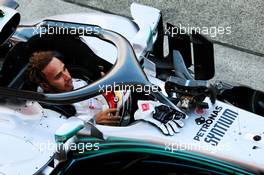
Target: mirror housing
x,y
202,57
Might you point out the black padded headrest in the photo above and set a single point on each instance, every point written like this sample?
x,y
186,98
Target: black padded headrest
x,y
75,53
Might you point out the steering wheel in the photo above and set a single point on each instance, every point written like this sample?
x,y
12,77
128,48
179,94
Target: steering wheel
x,y
86,75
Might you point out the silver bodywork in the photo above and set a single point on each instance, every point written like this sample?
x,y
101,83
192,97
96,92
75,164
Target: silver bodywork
x,y
27,131
27,134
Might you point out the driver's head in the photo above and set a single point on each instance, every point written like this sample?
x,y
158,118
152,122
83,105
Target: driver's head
x,y
48,71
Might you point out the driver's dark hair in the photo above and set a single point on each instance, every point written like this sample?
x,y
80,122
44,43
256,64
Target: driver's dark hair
x,y
37,62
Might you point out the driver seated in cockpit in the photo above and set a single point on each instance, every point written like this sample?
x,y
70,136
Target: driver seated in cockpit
x,y
49,72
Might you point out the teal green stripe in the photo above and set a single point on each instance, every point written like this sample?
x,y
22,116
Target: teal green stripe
x,y
158,152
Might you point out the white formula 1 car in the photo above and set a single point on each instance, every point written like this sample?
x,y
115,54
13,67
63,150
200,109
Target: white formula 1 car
x,y
40,134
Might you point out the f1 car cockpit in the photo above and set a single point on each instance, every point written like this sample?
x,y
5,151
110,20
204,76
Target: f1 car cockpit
x,y
75,53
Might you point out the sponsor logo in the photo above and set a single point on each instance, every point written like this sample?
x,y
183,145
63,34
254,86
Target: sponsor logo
x,y
200,120
145,107
220,127
207,123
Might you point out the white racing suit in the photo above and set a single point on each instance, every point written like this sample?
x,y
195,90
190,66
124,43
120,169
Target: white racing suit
x,y
87,109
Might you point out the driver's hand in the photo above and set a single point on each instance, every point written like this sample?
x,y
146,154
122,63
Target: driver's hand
x,y
108,117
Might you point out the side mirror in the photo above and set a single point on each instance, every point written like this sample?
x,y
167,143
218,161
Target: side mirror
x,y
70,133
202,57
